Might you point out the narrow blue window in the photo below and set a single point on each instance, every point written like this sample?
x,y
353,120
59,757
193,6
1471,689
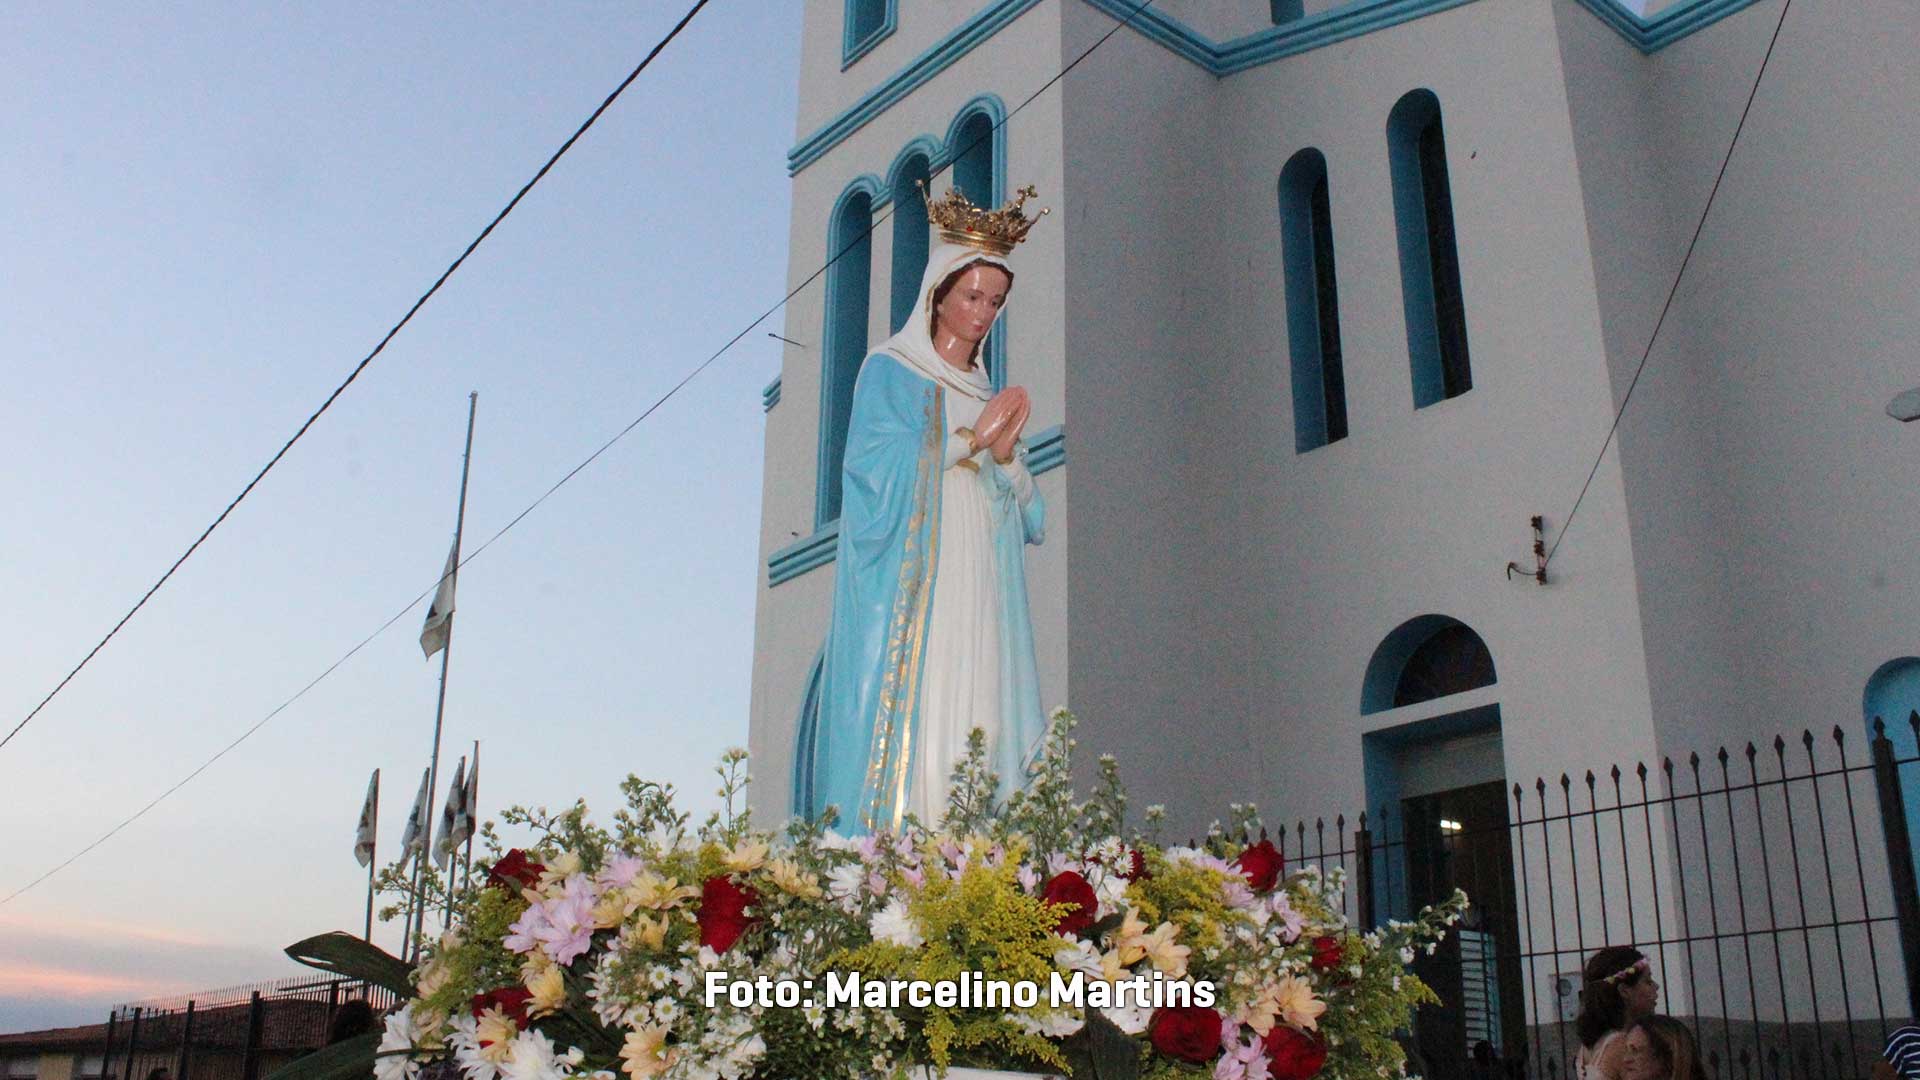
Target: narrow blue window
x,y
1313,303
867,22
975,146
910,232
844,342
1286,11
1429,258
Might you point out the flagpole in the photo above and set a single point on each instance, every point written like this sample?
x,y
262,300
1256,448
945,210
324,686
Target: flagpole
x,y
446,654
473,804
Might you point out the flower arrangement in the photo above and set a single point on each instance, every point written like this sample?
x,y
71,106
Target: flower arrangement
x,y
594,952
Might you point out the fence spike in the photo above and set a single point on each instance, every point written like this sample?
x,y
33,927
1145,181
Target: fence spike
x,y
1362,823
1806,739
1589,781
1566,784
1516,791
1693,759
1751,752
1779,744
1723,755
1839,736
1616,776
1641,768
1879,728
1913,720
1666,766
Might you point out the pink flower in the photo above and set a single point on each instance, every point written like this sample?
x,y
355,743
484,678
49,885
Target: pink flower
x,y
915,876
620,871
1028,877
1243,1061
1291,921
568,931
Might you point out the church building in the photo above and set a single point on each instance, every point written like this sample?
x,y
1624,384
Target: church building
x,y
1329,326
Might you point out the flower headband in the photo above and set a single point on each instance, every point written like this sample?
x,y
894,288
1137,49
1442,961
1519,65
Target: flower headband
x,y
1629,973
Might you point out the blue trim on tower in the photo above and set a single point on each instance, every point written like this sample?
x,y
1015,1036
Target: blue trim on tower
x,y
989,21
1046,451
770,396
1337,24
803,555
851,50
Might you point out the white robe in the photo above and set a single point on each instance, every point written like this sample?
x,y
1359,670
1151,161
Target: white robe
x,y
961,690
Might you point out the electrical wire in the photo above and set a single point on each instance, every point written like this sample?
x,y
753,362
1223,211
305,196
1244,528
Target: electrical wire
x,y
1672,292
570,474
361,366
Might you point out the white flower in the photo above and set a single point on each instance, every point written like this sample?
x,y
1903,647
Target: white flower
x,y
401,1034
844,882
1081,956
893,924
1054,1024
1131,1019
467,1052
530,1057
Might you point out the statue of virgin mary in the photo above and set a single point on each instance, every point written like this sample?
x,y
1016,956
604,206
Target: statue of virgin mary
x,y
931,635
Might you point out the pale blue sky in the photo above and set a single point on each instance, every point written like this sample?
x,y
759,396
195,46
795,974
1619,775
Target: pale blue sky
x,y
206,217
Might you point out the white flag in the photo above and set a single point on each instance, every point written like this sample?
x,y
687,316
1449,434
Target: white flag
x,y
369,822
439,627
414,839
450,817
469,802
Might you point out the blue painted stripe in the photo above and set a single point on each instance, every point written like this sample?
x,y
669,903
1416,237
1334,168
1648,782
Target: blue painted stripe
x,y
771,395
1046,451
801,556
1252,50
938,58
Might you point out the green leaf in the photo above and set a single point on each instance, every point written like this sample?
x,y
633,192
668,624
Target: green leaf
x,y
1107,1052
343,954
348,1059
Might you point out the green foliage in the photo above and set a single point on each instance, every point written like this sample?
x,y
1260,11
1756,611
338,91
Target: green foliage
x,y
340,953
348,1059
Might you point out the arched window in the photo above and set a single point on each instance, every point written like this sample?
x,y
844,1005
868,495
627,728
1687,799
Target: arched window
x,y
909,233
1313,303
806,736
1424,658
867,22
977,147
1429,259
844,340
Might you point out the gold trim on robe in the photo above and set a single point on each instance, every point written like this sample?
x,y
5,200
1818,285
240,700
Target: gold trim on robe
x,y
892,755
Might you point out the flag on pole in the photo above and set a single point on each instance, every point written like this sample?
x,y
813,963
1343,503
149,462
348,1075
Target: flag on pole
x,y
414,839
439,627
450,817
369,822
469,802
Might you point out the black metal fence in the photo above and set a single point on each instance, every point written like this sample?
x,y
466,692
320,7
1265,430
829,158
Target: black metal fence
x,y
240,1033
1773,887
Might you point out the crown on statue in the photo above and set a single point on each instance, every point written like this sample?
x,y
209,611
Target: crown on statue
x,y
992,231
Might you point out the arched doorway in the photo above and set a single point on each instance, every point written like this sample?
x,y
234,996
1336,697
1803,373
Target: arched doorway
x,y
1437,807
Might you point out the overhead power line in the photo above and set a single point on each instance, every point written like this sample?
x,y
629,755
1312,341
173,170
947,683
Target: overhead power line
x,y
576,470
1621,411
361,366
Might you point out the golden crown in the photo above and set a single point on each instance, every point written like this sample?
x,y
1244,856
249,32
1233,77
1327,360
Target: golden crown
x,y
992,231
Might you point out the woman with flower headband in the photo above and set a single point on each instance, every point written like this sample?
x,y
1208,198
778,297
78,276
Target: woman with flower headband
x,y
1619,991
931,635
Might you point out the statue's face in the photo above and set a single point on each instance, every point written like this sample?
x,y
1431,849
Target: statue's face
x,y
968,309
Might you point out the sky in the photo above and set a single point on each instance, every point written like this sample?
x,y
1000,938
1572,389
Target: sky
x,y
208,214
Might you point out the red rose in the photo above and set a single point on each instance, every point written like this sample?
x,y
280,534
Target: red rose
x,y
723,912
1136,866
1188,1033
512,1000
1327,953
1261,863
1295,1054
1067,887
515,869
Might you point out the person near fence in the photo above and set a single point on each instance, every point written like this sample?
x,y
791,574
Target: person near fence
x,y
1900,1060
1660,1048
1619,991
354,1017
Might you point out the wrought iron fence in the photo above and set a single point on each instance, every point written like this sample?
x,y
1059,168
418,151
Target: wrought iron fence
x,y
1773,887
236,1033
